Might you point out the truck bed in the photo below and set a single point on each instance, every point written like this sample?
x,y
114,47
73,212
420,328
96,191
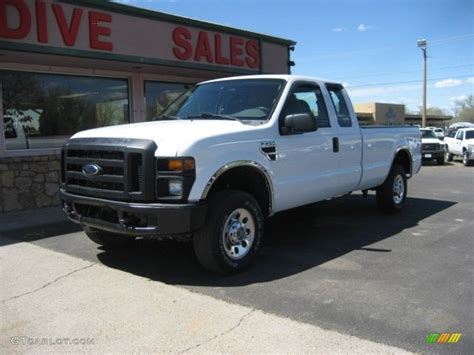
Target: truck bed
x,y
380,144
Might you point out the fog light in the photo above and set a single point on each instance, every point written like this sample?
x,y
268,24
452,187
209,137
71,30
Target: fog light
x,y
175,187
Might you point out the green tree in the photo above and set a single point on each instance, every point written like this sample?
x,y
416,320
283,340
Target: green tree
x,y
464,110
433,110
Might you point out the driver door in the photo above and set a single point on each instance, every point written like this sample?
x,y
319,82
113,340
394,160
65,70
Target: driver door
x,y
306,163
458,143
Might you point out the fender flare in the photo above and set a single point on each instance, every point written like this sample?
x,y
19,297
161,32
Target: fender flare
x,y
410,157
244,163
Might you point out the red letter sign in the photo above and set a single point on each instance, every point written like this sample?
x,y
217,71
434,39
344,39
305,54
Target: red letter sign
x,y
41,22
25,20
236,51
181,37
203,48
69,34
95,30
253,59
218,46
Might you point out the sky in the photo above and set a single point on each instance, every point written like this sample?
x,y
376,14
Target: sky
x,y
369,45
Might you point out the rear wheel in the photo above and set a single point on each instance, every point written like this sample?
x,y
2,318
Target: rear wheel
x,y
233,232
107,239
391,195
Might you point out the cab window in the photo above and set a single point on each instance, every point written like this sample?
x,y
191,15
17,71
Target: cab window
x,y
340,105
306,98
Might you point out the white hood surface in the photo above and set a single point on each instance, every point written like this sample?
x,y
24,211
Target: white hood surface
x,y
169,136
431,140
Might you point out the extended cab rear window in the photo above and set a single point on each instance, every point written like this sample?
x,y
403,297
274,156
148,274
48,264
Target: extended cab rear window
x,y
340,105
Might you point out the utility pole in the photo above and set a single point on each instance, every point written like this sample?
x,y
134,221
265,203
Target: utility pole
x,y
422,45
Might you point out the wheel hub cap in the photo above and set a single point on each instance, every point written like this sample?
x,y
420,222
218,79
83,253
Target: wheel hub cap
x,y
398,189
238,234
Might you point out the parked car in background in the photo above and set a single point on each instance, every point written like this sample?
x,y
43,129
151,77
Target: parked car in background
x,y
461,144
432,148
17,137
439,132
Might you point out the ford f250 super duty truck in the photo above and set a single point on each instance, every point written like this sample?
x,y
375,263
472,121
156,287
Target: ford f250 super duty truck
x,y
226,155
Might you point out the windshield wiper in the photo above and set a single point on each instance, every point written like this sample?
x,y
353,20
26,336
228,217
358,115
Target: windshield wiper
x,y
166,118
207,115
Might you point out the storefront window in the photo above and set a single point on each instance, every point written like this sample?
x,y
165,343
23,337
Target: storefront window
x,y
159,95
44,110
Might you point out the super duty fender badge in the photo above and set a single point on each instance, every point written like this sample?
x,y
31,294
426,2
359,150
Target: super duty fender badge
x,y
268,148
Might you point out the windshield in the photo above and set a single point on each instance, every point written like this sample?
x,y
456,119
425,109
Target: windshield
x,y
428,133
469,134
245,100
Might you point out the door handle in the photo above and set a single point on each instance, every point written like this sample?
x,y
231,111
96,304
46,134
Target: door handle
x,y
335,144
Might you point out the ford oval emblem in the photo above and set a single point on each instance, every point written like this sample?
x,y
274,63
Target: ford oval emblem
x,y
91,170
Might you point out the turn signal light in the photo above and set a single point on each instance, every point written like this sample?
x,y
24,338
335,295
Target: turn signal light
x,y
181,164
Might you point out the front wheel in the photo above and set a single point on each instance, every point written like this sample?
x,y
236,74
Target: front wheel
x,y
448,156
391,195
440,160
465,159
233,232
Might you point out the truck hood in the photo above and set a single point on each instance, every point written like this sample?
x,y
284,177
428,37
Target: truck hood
x,y
431,140
169,136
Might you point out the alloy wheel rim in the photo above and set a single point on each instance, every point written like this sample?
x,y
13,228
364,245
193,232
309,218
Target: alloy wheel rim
x,y
239,233
398,189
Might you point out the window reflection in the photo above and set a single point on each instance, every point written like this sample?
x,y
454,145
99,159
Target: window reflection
x,y
159,95
44,110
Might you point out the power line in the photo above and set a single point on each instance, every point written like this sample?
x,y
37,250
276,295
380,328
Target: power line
x,y
451,38
409,81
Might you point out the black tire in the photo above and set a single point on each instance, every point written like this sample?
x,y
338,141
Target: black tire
x,y
440,160
465,159
107,239
448,155
212,243
387,200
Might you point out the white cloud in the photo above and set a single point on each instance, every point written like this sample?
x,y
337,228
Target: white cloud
x,y
338,29
447,83
346,85
363,28
369,92
470,80
458,98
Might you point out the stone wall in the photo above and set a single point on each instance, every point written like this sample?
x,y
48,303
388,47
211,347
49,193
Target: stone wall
x,y
29,182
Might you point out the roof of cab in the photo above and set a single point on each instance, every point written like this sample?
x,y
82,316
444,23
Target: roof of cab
x,y
286,77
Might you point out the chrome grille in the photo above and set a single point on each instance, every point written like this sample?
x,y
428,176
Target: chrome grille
x,y
430,146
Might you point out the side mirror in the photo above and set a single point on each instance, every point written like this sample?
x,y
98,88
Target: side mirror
x,y
300,123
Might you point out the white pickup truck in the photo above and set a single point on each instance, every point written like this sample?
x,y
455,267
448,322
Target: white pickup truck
x,y
226,155
460,143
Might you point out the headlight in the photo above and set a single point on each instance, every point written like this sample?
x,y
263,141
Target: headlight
x,y
175,187
174,178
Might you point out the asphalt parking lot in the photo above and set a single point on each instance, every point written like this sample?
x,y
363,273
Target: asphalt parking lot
x,y
339,264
